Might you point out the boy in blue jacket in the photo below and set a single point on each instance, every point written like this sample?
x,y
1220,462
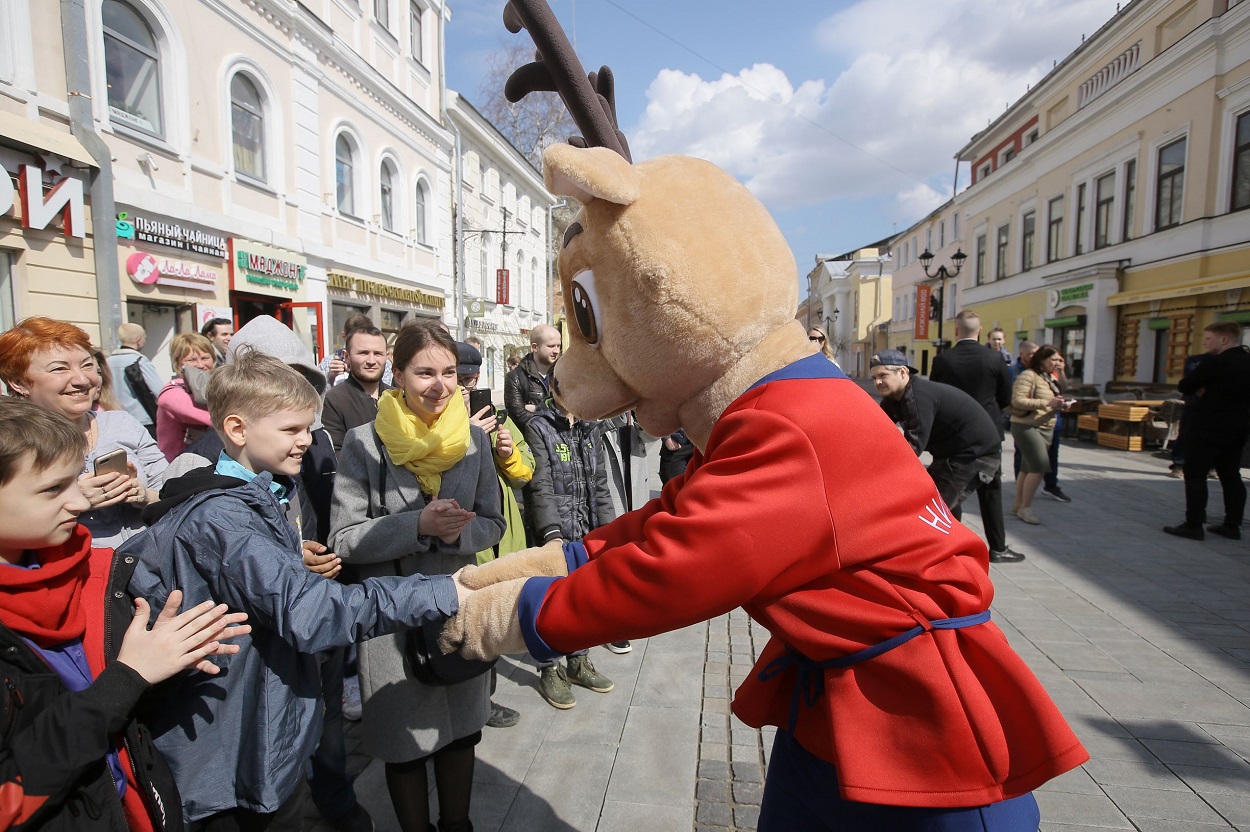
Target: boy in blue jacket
x,y
229,531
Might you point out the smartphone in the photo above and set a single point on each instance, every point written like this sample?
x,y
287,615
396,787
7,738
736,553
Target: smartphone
x,y
477,400
114,462
341,355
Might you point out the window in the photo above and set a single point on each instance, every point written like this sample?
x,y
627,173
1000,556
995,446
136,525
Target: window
x,y
1028,230
985,171
1130,192
1170,187
928,238
1032,137
414,32
1104,204
485,280
386,196
1000,268
1080,218
132,68
344,175
942,234
1054,230
1241,163
955,227
1009,154
382,11
247,120
482,179
418,213
978,272
520,279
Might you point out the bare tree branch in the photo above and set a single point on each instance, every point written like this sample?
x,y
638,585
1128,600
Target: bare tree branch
x,y
537,120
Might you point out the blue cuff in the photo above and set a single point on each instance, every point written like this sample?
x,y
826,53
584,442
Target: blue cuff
x,y
528,604
575,555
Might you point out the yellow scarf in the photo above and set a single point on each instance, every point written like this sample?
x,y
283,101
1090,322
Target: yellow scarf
x,y
426,451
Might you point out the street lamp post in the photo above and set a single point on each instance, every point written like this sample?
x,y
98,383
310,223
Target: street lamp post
x,y
926,260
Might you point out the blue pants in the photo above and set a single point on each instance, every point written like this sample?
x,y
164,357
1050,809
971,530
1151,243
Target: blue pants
x,y
331,785
801,793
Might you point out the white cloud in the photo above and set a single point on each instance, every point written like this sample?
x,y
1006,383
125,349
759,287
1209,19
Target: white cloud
x,y
919,80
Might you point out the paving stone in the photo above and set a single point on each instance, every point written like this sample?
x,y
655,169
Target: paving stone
x,y
746,817
748,793
1235,808
713,790
714,814
657,757
1134,773
714,751
1212,781
747,772
1091,809
1169,825
1149,803
1203,754
630,817
714,769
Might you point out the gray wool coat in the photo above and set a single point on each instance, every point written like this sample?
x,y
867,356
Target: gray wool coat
x,y
404,719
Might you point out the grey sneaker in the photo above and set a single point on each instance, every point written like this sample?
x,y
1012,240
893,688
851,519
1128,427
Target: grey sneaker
x,y
582,672
554,686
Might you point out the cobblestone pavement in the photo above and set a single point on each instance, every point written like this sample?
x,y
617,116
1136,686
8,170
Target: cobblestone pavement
x,y
1143,640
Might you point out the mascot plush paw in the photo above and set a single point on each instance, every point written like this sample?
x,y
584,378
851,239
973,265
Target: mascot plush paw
x,y
547,560
486,625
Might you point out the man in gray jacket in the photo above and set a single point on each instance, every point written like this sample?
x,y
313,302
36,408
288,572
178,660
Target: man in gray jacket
x,y
132,338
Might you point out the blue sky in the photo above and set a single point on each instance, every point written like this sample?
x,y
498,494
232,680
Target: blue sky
x,y
842,117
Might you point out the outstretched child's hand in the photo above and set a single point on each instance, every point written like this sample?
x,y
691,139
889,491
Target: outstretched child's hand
x,y
179,641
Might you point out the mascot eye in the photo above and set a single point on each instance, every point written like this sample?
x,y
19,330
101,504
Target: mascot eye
x,y
584,302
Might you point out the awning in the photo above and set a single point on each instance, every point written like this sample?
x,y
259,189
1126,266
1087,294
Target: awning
x,y
1182,290
40,138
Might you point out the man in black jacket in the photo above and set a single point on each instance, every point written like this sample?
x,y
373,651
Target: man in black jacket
x,y
1217,431
940,419
526,387
355,401
983,376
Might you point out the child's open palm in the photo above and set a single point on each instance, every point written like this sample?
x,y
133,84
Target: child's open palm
x,y
179,641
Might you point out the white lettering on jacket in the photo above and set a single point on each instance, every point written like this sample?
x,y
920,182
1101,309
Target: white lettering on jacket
x,y
938,516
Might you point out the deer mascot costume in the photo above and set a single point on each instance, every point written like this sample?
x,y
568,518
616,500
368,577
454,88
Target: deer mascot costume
x,y
899,705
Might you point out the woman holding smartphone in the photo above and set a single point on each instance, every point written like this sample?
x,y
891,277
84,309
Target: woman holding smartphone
x,y
416,492
50,363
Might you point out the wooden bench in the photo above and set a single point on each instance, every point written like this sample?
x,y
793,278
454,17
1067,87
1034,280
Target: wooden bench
x,y
1126,426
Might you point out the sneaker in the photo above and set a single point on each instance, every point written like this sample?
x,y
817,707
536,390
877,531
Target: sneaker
x,y
1225,530
554,686
1007,555
1176,472
351,698
502,717
356,820
1185,530
619,646
1027,515
1055,492
582,672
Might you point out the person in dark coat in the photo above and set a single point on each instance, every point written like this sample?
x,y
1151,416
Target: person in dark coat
x,y
526,388
1217,431
940,419
982,375
354,402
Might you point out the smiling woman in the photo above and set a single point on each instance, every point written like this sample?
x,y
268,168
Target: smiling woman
x,y
50,363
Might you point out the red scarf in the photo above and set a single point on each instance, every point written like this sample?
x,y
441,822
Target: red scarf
x,y
44,604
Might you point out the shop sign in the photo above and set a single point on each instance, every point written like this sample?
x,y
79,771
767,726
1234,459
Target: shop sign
x,y
475,308
148,269
205,313
347,283
38,210
271,268
142,229
489,326
924,293
501,286
1069,295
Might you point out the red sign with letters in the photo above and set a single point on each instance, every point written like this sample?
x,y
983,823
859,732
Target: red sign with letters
x,y
923,294
501,286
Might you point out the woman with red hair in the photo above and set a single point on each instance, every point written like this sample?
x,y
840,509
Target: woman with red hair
x,y
50,363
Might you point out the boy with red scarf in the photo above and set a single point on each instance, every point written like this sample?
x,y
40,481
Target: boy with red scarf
x,y
75,656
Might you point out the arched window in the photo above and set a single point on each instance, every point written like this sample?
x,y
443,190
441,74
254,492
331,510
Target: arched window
x,y
418,213
520,282
344,175
132,68
485,280
386,195
247,118
534,283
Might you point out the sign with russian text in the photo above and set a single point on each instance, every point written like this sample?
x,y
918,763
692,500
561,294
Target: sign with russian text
x,y
261,267
39,209
133,225
924,299
501,286
387,291
147,269
1069,295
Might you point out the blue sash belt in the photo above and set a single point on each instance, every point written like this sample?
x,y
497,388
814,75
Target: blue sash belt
x,y
810,684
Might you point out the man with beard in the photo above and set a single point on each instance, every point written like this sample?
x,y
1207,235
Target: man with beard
x,y
355,402
526,388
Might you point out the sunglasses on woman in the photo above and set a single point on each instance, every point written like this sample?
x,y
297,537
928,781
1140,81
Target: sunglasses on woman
x,y
819,338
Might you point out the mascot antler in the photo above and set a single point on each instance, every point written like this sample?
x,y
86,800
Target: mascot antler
x,y
590,97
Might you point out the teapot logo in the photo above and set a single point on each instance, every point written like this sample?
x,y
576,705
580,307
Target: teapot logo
x,y
125,228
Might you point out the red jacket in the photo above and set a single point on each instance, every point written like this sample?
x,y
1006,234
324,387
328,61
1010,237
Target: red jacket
x,y
810,511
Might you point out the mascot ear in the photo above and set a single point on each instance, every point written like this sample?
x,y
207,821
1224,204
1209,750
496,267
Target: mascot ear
x,y
586,173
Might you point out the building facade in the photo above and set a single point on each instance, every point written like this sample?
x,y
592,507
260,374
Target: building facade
x,y
849,298
1106,213
267,158
503,238
919,323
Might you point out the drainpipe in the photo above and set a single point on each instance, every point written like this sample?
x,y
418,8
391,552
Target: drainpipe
x,y
551,262
76,45
457,267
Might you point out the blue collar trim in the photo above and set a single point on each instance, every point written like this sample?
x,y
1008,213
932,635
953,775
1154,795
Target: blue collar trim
x,y
227,466
814,366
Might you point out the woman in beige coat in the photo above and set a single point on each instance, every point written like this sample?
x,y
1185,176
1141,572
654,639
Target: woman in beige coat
x,y
1035,399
